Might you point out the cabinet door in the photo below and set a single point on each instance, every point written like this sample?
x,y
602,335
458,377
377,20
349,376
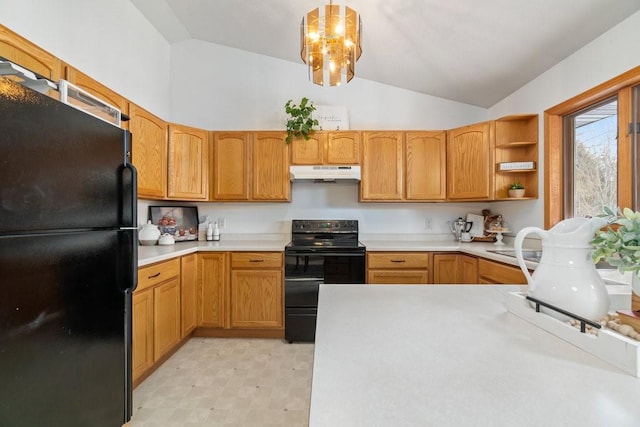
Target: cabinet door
x,y
382,166
230,166
98,90
149,152
470,153
142,326
445,269
455,269
188,161
308,152
212,273
166,317
397,277
425,157
26,54
189,279
256,299
343,148
468,271
498,273
270,167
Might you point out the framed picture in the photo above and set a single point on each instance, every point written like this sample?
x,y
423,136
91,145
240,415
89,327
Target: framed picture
x,y
179,221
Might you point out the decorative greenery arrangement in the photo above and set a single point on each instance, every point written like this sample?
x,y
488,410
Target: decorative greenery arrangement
x,y
619,244
516,186
300,123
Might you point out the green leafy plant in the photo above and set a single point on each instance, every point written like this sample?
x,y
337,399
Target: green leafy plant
x,y
516,186
619,243
300,123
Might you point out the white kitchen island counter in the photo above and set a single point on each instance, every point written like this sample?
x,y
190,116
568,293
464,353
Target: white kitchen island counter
x,y
400,355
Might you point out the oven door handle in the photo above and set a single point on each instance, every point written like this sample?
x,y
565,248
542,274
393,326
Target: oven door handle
x,y
303,279
323,253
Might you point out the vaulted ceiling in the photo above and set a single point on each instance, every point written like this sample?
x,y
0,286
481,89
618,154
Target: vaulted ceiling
x,y
475,52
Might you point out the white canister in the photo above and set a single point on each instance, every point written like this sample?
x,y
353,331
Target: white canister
x,y
149,234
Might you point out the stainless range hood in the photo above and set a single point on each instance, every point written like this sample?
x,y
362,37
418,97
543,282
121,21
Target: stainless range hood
x,y
321,173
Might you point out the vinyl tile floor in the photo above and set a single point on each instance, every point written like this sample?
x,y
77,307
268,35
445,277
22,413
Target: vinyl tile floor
x,y
228,382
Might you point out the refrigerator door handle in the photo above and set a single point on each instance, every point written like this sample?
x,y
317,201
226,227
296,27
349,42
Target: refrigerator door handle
x,y
130,201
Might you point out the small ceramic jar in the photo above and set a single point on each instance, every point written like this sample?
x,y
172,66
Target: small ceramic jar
x,y
148,234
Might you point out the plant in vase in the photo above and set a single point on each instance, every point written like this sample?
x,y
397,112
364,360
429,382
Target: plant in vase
x,y
516,190
619,245
300,123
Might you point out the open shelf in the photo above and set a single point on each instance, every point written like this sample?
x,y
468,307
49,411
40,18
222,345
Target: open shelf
x,y
516,140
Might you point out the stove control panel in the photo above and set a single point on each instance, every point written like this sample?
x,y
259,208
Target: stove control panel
x,y
317,225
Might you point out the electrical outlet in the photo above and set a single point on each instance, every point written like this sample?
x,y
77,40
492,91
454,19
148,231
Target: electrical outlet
x,y
222,222
428,223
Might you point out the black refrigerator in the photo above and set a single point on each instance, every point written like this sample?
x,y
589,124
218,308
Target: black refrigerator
x,y
68,264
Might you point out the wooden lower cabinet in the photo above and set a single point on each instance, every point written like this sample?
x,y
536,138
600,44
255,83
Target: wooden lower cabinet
x,y
256,297
492,272
142,332
166,317
387,268
157,314
455,269
212,284
188,293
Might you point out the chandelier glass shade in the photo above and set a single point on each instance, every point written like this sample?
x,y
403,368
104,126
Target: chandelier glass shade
x,y
330,44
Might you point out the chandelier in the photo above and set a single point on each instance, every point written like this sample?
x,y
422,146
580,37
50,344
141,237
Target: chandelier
x,y
330,43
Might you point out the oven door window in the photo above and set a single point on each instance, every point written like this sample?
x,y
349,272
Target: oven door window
x,y
304,274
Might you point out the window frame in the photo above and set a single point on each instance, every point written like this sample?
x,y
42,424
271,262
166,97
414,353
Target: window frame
x,y
554,152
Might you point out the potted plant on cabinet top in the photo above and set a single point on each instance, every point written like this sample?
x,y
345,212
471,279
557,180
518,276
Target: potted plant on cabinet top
x,y
300,123
516,190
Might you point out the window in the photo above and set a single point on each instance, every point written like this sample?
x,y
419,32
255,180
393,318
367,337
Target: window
x,y
590,158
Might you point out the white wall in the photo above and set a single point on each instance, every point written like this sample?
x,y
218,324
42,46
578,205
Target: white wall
x,y
612,54
217,87
109,40
330,201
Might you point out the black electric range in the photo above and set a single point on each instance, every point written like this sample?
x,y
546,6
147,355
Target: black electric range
x,y
321,251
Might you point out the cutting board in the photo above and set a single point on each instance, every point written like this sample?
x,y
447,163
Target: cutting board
x,y
477,229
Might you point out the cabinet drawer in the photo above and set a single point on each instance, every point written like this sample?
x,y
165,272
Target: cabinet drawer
x,y
401,260
256,260
397,277
494,272
158,273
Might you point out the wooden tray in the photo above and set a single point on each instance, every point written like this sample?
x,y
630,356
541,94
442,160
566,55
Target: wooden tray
x,y
489,238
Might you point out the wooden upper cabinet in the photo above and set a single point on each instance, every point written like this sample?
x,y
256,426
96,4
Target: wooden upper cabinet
x,y
327,148
382,166
149,152
470,154
188,161
98,90
26,54
425,156
309,152
343,148
230,165
270,180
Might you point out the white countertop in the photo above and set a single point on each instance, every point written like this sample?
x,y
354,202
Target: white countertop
x,y
256,242
411,355
374,243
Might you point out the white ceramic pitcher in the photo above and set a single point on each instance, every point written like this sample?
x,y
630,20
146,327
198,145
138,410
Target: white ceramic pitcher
x,y
566,276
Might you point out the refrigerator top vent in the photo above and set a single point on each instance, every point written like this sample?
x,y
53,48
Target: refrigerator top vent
x,y
28,78
78,98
